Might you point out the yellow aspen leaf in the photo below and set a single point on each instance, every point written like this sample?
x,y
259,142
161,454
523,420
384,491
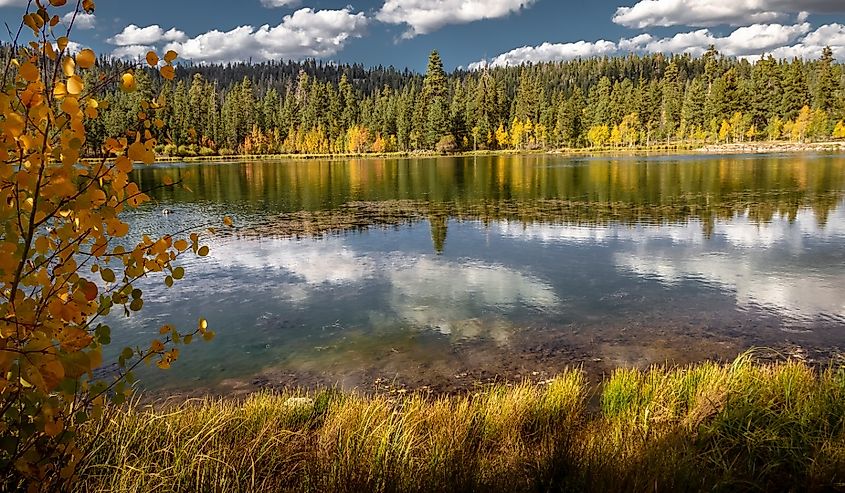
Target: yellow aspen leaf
x,y
62,42
116,227
60,90
203,325
86,58
68,66
42,244
203,251
156,346
88,5
170,56
29,72
127,83
58,3
14,125
48,47
33,21
163,364
51,371
91,112
73,339
167,180
75,85
136,150
152,58
227,221
181,245
123,164
168,72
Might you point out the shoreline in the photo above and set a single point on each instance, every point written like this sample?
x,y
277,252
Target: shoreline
x,y
750,148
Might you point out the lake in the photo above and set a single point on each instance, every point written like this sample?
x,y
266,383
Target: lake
x,y
440,273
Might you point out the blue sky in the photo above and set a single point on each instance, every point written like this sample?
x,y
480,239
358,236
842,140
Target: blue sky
x,y
466,32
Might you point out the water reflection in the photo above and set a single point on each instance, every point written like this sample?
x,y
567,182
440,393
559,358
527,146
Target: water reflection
x,y
424,261
792,265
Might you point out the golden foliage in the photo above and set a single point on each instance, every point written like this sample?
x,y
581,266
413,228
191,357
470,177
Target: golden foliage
x,y
65,257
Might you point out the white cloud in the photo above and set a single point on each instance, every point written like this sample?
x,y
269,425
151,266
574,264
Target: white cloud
x,y
131,52
425,16
751,40
272,4
12,3
811,46
705,13
83,20
150,35
303,34
548,52
783,41
71,48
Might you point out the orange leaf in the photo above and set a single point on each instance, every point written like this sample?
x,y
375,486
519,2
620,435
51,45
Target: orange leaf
x,y
168,72
86,58
29,72
152,58
74,339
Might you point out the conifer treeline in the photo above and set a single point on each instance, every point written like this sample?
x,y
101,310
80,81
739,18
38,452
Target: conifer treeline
x,y
310,107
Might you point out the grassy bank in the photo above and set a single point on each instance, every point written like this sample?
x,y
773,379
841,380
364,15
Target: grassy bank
x,y
740,427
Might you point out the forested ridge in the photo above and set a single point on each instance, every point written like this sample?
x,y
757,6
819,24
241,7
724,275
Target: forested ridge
x,y
314,107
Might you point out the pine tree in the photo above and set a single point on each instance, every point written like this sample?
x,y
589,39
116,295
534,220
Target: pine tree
x,y
795,93
434,101
825,86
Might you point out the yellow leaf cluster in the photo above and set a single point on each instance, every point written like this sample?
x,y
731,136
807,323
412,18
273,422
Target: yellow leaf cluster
x,y
64,259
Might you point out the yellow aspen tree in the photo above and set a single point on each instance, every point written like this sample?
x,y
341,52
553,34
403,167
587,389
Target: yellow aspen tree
x,y
502,139
839,130
66,260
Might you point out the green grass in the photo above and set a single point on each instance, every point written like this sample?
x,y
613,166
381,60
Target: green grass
x,y
708,427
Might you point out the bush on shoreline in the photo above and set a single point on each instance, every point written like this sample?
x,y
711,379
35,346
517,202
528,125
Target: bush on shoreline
x,y
711,427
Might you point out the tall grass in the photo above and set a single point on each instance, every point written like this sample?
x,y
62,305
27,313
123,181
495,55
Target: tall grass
x,y
738,427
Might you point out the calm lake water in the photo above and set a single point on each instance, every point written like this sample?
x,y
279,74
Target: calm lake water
x,y
444,271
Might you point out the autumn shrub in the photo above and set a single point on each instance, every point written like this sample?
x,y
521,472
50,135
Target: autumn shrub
x,y
447,144
66,257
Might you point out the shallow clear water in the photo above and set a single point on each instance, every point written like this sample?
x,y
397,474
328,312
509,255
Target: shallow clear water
x,y
518,265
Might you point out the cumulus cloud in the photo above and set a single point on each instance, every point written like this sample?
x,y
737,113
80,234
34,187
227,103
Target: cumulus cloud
x,y
12,3
131,52
425,16
83,20
706,13
271,4
150,35
303,34
548,52
749,41
811,46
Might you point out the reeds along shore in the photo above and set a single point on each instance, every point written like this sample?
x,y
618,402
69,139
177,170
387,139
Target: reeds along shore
x,y
709,427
